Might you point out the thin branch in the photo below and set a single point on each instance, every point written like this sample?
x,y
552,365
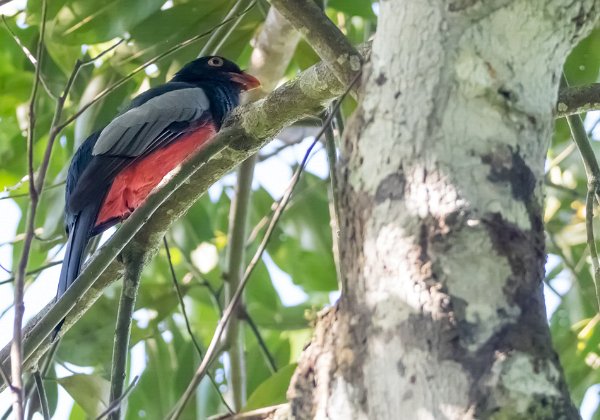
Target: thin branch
x,y
5,377
116,404
32,272
261,342
258,414
211,351
334,206
6,270
578,99
187,322
19,286
242,135
592,170
39,383
589,225
12,197
266,156
133,271
238,222
180,297
323,36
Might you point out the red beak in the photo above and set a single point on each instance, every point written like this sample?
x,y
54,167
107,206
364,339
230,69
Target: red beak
x,y
247,81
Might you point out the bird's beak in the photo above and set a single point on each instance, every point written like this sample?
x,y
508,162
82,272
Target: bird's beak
x,y
247,81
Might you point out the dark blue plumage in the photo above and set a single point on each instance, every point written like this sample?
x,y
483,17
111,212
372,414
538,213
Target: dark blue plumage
x,y
201,94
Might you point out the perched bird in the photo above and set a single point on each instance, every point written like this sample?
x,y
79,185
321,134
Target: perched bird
x,y
116,168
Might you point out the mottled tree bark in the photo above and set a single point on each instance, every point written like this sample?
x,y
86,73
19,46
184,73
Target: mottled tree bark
x,y
442,313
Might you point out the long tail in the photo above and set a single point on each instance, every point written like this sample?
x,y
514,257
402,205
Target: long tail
x,y
79,235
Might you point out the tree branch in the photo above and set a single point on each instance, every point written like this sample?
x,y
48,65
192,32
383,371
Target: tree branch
x,y
244,133
578,99
134,264
321,33
19,286
592,170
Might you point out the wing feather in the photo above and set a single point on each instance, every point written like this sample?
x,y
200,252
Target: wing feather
x,y
136,131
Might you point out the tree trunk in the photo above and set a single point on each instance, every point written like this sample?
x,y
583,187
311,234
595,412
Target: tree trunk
x,y
442,313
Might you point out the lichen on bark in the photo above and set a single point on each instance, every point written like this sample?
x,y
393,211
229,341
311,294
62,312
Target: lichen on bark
x,y
442,314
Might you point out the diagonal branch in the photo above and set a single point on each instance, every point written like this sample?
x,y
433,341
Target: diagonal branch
x,y
245,132
19,286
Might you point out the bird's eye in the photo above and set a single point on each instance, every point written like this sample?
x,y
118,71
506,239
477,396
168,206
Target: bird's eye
x,y
215,62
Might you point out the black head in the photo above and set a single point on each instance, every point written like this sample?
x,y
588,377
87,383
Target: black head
x,y
215,69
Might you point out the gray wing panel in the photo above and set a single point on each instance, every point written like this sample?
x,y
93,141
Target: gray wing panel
x,y
136,131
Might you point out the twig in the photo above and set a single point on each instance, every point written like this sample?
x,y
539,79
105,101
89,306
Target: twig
x,y
31,272
210,352
131,281
589,225
187,322
19,286
39,383
592,170
5,377
6,270
12,197
116,404
261,342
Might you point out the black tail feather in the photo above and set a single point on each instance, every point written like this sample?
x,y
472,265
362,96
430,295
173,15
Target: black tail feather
x,y
79,236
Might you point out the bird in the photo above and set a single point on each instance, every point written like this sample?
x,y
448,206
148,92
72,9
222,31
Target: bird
x,y
116,167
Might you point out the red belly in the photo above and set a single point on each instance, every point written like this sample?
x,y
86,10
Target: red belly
x,y
133,184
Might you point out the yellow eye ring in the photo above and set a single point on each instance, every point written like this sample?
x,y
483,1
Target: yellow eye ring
x,y
215,62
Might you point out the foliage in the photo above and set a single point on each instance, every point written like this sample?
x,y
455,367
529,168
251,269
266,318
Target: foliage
x,y
301,245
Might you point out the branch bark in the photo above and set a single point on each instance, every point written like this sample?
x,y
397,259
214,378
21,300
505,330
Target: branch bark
x,y
133,262
245,132
578,99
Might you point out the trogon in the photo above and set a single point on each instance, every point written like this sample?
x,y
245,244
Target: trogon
x,y
115,169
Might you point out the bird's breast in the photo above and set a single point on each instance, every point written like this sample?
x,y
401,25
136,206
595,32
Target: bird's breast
x,y
133,184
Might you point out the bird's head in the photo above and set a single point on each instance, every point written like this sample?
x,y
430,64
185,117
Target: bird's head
x,y
215,69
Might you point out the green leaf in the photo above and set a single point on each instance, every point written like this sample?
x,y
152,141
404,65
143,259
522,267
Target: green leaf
x,y
273,390
353,7
91,392
92,22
